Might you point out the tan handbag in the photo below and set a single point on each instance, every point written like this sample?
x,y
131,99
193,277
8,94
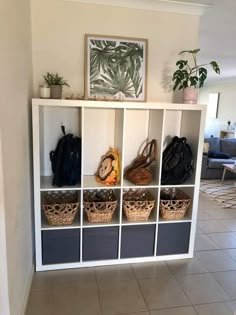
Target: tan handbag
x,y
138,172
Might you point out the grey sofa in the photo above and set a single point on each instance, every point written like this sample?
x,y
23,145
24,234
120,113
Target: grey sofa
x,y
212,166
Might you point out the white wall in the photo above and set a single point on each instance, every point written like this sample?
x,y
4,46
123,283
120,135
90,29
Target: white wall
x,y
16,78
58,29
227,105
4,294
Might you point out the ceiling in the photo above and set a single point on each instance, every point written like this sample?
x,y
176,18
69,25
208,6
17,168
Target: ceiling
x,y
217,36
177,6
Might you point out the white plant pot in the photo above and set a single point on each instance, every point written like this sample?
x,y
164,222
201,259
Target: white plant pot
x,y
44,91
190,95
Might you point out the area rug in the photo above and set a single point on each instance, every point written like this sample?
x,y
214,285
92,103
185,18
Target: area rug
x,y
224,194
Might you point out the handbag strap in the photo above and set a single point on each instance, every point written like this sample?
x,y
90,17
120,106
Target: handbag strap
x,y
151,156
142,160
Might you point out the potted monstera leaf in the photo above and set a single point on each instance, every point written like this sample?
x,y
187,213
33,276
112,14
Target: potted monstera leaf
x,y
55,82
190,76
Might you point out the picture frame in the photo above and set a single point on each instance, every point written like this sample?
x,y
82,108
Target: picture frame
x,y
115,68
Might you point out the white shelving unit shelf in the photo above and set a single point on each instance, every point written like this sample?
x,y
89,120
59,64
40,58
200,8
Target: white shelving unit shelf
x,y
124,126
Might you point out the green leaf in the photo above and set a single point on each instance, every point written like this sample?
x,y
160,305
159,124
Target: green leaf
x,y
54,79
181,78
181,63
195,51
193,81
202,76
215,67
99,43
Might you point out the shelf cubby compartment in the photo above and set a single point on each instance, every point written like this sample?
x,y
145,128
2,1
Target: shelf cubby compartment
x,y
100,243
142,125
51,118
137,240
188,215
153,215
60,246
103,126
46,185
116,215
173,238
183,123
45,225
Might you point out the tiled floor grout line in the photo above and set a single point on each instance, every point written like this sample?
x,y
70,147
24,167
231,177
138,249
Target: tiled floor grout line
x,y
176,278
99,298
171,274
195,310
206,302
139,287
209,303
136,312
228,256
214,302
221,285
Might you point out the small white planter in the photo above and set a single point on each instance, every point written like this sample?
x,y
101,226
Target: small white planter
x,y
44,91
190,95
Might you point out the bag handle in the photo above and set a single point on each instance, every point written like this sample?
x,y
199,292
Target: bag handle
x,y
152,152
142,160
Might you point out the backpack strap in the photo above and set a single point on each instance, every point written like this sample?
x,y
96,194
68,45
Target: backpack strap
x,y
63,129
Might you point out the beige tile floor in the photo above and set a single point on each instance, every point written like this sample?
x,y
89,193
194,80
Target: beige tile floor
x,y
204,285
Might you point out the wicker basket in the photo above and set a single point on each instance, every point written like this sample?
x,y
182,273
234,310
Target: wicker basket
x,y
60,207
138,204
175,209
99,206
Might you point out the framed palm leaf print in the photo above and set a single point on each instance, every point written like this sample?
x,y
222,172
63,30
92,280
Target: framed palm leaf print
x,y
115,68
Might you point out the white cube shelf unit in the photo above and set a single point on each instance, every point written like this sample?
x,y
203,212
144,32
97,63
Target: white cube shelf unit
x,y
124,126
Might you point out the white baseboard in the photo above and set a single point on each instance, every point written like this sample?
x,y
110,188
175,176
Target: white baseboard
x,y
27,291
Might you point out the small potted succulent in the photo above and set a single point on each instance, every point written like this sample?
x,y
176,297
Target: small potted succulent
x,y
190,77
55,82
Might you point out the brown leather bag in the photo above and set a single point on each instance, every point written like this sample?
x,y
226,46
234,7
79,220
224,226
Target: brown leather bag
x,y
138,172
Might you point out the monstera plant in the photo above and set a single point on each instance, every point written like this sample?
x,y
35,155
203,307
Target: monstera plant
x,y
191,74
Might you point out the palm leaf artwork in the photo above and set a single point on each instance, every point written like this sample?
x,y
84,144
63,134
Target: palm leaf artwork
x,y
116,67
119,81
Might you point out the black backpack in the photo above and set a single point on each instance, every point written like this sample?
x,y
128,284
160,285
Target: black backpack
x,y
66,160
177,162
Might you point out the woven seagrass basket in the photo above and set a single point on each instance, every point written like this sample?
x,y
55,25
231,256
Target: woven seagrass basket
x,y
174,209
60,207
99,206
138,204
